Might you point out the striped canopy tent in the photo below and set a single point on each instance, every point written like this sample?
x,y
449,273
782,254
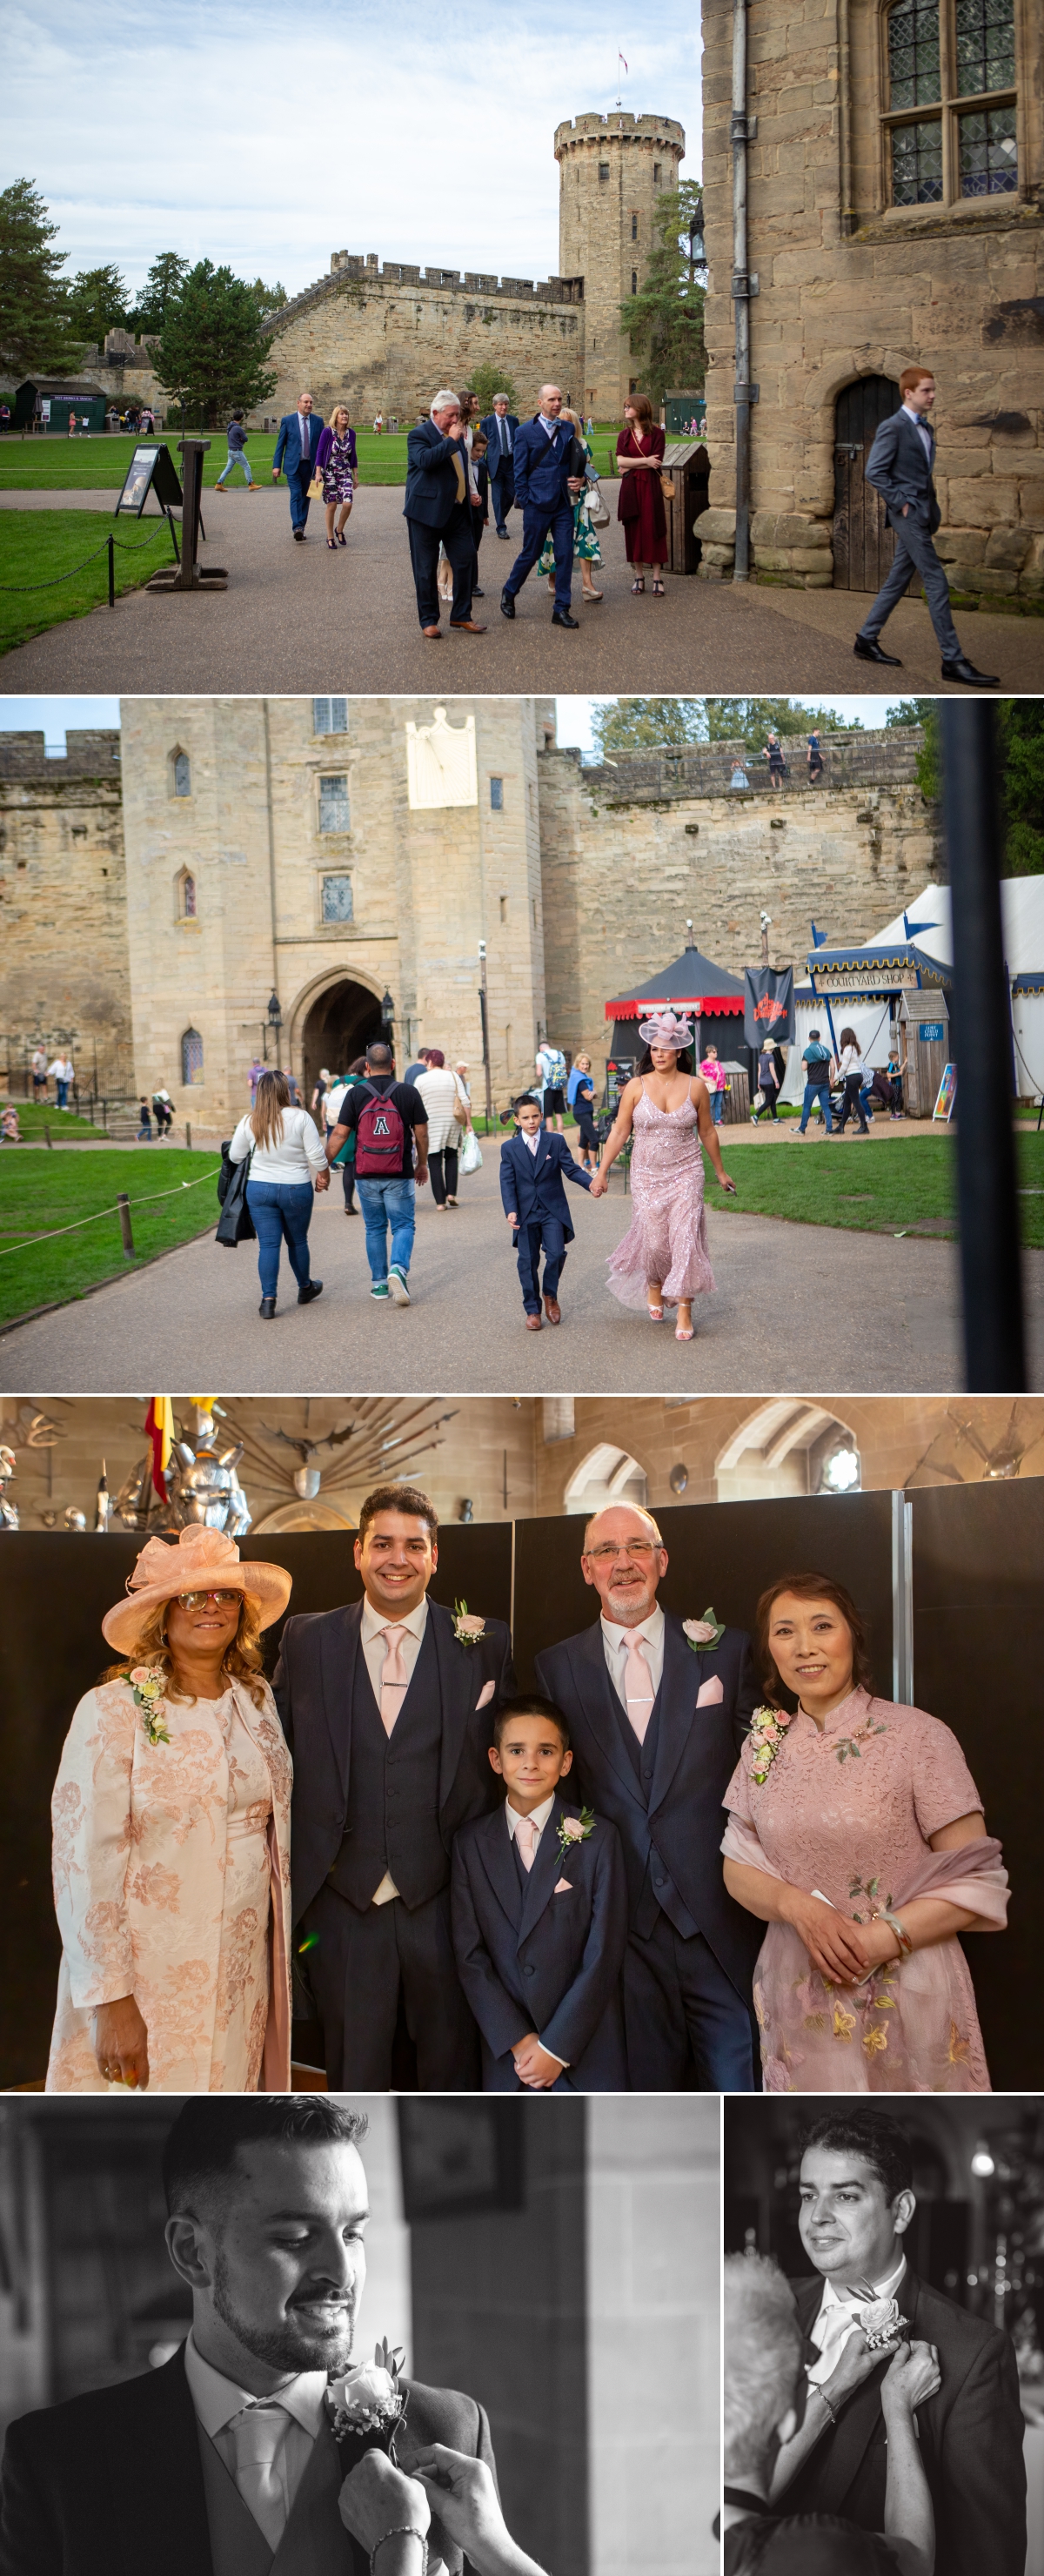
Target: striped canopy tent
x,y
694,985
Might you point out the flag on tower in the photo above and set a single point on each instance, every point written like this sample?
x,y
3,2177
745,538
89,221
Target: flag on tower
x,y
159,1426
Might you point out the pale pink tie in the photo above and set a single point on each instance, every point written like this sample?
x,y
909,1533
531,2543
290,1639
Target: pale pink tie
x,y
394,1677
525,1836
638,1689
257,2437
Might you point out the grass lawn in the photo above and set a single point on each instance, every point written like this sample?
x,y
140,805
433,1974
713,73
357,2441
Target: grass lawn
x,y
40,1192
37,546
100,464
66,1129
905,1185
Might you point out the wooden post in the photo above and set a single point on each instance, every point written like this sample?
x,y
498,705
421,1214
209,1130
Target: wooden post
x,y
188,1134
112,572
47,1133
123,1204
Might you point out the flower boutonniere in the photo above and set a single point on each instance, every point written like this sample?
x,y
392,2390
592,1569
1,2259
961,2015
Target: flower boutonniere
x,y
882,2320
707,1631
466,1628
368,2399
768,1728
575,1829
148,1687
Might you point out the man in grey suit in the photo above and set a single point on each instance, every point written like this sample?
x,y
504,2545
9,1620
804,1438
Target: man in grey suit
x,y
900,466
499,426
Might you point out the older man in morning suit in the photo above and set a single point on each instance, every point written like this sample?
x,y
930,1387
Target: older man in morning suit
x,y
900,466
656,1718
387,1706
500,426
438,508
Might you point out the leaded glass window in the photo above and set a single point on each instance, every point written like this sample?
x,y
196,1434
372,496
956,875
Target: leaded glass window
x,y
182,774
330,715
334,812
989,153
337,898
917,163
985,46
192,1056
913,52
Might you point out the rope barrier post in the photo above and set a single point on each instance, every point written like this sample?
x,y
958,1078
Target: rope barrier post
x,y
112,573
188,1134
123,1204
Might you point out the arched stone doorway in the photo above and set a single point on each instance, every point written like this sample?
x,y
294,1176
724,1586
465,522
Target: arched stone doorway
x,y
337,1027
863,541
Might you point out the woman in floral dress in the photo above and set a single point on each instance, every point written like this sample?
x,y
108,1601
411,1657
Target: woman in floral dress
x,y
337,464
171,1816
586,549
856,1834
663,1259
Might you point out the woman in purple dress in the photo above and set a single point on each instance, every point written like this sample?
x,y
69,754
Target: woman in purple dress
x,y
663,1259
337,465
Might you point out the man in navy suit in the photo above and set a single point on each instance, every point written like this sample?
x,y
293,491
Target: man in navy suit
x,y
500,425
438,508
656,1717
388,1710
296,445
546,492
900,466
540,1921
533,1163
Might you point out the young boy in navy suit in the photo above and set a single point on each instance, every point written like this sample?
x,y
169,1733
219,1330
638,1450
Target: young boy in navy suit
x,y
539,1911
533,1163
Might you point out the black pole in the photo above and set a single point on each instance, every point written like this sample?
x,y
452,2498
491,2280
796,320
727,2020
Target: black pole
x,y
112,574
991,1264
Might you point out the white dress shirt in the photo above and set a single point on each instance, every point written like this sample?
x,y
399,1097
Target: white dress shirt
x,y
218,2400
920,423
616,1640
830,2334
531,1143
374,1650
549,426
538,1817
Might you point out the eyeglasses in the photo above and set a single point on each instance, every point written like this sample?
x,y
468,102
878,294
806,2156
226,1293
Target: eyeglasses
x,y
196,1600
635,1549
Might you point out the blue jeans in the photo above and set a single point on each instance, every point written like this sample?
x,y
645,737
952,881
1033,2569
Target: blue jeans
x,y
384,1204
282,1213
236,456
61,1094
817,1091
717,1107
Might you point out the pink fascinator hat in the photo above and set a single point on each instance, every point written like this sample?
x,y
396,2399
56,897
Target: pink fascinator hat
x,y
665,1029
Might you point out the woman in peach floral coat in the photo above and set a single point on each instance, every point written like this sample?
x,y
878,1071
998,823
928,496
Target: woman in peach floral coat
x,y
171,1816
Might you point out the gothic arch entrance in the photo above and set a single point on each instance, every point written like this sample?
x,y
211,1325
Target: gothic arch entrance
x,y
338,1026
863,541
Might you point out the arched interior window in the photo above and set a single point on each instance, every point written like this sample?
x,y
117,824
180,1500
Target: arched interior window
x,y
181,774
787,1446
192,1056
607,1475
955,58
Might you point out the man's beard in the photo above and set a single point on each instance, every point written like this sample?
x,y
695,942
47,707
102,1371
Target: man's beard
x,y
630,1608
284,2346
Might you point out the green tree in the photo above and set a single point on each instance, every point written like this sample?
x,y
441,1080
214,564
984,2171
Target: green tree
x,y
162,285
665,317
1021,730
649,724
212,349
487,380
98,302
268,298
34,327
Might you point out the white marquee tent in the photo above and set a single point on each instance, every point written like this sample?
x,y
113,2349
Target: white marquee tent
x,y
1022,900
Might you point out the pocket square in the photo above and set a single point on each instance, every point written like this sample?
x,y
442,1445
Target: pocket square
x,y
709,1691
488,1689
563,1887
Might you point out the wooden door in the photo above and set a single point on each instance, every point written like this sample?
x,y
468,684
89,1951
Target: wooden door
x,y
863,541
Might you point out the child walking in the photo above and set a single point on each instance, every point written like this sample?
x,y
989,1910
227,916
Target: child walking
x,y
533,1163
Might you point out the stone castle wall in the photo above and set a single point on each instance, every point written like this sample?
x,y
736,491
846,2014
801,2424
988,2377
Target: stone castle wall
x,y
385,339
632,853
63,906
851,286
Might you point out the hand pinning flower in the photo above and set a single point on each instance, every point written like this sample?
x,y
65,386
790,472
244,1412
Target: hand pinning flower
x,y
148,1687
575,1829
707,1631
767,1732
466,1628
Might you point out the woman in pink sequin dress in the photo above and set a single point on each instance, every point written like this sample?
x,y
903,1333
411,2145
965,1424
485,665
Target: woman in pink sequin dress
x,y
856,1834
663,1259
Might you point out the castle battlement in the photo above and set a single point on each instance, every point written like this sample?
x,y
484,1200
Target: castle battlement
x,y
619,126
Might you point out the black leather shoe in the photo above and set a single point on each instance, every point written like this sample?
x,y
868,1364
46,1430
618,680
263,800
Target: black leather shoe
x,y
312,1288
966,671
507,606
299,536
505,533
267,1308
870,651
561,617
477,593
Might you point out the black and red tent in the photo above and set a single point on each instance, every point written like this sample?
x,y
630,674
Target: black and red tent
x,y
694,985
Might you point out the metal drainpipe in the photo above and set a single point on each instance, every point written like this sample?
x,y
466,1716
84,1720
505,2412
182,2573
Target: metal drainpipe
x,y
743,285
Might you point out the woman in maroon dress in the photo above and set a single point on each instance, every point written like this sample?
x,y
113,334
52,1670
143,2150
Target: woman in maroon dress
x,y
639,451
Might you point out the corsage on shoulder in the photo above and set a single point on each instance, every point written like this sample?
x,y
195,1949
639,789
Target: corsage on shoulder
x,y
148,1687
768,1728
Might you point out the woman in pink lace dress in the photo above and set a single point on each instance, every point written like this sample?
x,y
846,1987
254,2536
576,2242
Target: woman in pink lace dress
x,y
663,1259
856,1834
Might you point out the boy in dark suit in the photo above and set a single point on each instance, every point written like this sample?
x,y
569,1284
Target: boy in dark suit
x,y
479,484
532,1165
540,1920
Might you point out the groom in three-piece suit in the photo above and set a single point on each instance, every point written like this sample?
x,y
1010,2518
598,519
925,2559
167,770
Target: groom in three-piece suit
x,y
223,2462
656,1723
388,1713
901,466
500,426
857,2202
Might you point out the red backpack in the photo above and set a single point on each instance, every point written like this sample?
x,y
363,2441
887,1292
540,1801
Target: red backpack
x,y
380,1140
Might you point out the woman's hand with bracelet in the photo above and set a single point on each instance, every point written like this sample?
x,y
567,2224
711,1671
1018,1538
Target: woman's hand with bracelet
x,y
464,2495
388,2514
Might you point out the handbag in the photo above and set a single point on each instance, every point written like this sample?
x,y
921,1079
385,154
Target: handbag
x,y
315,488
596,508
470,1153
235,1223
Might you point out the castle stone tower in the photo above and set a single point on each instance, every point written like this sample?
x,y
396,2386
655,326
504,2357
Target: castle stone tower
x,y
612,171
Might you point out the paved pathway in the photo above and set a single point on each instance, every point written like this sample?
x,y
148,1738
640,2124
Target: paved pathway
x,y
795,1306
297,618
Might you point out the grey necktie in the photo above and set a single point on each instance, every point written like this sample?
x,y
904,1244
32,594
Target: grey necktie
x,y
305,443
505,439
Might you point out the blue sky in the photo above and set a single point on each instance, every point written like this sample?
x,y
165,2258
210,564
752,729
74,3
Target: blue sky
x,y
51,715
267,139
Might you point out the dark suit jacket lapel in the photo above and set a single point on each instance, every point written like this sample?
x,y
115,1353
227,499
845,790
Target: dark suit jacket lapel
x,y
600,1704
161,2480
338,1647
544,1875
682,1675
460,1681
838,2459
498,1861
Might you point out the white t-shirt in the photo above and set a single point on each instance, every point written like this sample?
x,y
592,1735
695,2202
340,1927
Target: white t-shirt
x,y
849,1061
298,1156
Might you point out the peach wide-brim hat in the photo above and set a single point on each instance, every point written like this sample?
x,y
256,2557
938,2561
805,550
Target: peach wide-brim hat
x,y
204,1559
